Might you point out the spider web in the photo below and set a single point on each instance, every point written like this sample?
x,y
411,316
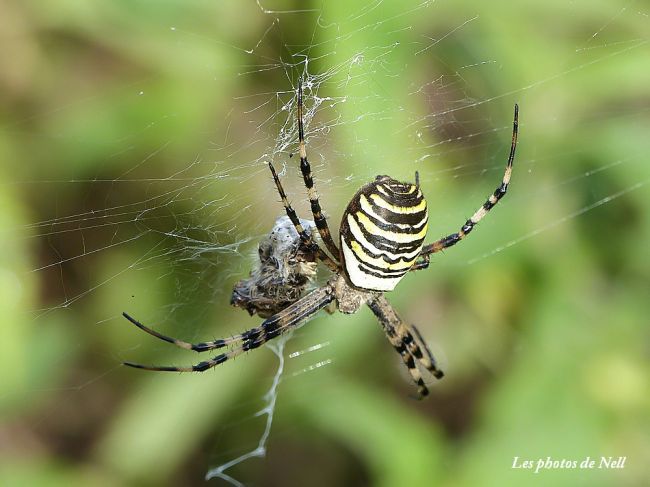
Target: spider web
x,y
162,213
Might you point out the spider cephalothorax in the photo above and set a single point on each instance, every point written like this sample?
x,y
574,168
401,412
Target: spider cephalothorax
x,y
381,237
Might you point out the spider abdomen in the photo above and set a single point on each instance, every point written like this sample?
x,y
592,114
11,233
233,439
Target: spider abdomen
x,y
382,233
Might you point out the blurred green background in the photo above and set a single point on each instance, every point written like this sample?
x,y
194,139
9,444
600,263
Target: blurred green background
x,y
133,136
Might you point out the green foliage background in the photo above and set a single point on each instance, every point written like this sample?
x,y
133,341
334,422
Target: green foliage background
x,y
545,344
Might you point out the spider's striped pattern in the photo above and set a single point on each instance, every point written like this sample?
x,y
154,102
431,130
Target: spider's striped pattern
x,y
381,239
382,233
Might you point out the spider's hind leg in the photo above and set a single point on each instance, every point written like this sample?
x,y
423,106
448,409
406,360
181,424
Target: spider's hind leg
x,y
493,199
304,236
411,336
305,168
408,360
408,342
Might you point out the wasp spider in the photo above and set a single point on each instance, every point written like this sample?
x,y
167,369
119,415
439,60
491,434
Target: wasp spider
x,y
381,238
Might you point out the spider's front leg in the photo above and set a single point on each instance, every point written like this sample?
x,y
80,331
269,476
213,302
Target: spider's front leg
x,y
494,198
407,341
286,320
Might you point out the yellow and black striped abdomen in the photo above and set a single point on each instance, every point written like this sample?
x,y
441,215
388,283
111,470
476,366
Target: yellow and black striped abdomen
x,y
382,233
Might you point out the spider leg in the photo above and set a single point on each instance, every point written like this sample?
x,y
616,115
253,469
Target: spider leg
x,y
417,346
206,364
288,319
494,198
304,236
197,347
305,168
408,345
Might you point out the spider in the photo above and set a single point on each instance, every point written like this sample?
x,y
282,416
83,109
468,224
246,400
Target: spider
x,y
381,238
